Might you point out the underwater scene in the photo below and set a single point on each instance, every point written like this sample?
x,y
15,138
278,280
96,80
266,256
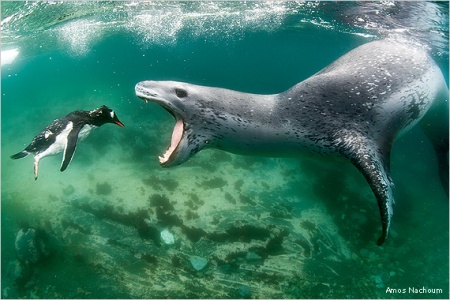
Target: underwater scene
x,y
116,224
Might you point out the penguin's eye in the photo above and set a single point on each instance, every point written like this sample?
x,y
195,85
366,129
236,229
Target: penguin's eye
x,y
180,93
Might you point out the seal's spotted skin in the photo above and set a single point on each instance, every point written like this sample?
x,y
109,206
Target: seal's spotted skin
x,y
354,108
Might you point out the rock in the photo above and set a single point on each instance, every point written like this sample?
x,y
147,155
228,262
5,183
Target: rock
x,y
18,273
68,190
167,237
15,270
26,247
198,263
30,246
252,256
393,234
244,292
359,218
378,281
364,252
103,189
5,292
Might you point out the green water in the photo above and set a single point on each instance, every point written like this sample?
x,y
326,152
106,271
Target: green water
x,y
268,227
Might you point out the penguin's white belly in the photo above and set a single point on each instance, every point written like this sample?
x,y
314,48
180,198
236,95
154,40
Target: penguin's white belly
x,y
59,145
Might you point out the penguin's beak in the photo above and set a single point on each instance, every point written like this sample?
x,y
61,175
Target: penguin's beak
x,y
119,123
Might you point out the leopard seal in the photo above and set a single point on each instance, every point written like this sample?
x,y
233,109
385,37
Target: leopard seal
x,y
354,108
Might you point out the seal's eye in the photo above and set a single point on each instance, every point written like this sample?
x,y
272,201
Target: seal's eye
x,y
180,93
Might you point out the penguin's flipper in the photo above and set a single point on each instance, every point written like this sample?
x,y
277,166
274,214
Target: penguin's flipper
x,y
21,154
71,145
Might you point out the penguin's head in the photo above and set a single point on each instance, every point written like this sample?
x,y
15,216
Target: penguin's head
x,y
103,115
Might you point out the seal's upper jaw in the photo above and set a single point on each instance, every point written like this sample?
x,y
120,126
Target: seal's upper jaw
x,y
151,91
148,91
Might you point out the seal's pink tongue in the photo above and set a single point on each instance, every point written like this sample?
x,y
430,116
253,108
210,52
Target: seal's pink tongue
x,y
176,138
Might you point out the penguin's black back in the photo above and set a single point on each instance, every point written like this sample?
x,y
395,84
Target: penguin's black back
x,y
48,135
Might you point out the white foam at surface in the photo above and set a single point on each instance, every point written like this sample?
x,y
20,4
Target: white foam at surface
x,y
8,56
80,35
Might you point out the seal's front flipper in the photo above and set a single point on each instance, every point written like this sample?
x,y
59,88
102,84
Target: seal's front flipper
x,y
438,134
443,161
71,145
373,163
435,124
377,175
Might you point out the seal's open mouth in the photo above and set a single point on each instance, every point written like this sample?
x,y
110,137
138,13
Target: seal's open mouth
x,y
177,134
178,130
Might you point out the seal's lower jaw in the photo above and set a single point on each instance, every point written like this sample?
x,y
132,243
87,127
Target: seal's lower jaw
x,y
172,151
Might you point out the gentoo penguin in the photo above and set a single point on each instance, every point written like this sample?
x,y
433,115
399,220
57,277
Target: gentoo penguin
x,y
63,134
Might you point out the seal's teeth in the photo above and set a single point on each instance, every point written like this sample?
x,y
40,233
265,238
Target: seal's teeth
x,y
163,159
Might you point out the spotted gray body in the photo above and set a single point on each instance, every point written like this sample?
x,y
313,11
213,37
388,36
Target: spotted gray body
x,y
354,108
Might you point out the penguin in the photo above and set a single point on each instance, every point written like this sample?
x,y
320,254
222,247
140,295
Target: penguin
x,y
64,133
